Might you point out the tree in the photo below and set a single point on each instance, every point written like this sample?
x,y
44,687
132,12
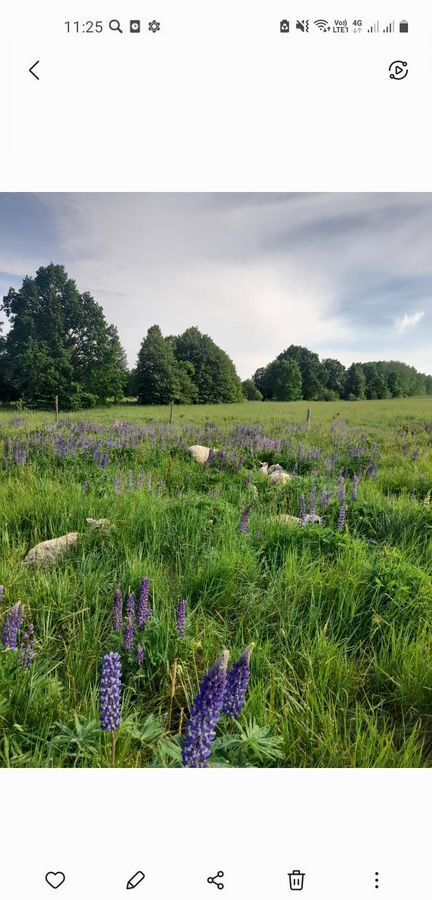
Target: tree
x,y
214,374
282,380
310,369
250,390
355,383
187,391
60,343
156,370
333,374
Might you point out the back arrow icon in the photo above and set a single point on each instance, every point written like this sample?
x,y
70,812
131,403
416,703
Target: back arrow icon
x,y
33,67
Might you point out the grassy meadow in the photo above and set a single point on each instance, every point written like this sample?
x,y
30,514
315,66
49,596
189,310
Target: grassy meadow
x,y
341,618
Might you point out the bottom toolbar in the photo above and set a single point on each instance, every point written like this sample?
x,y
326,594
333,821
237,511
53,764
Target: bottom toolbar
x,y
327,834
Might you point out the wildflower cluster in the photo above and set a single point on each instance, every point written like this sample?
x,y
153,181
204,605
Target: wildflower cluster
x,y
13,637
220,692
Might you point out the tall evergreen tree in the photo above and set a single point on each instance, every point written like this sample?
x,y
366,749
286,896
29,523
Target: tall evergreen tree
x,y
156,371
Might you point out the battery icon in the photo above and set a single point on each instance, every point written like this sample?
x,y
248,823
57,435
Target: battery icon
x,y
403,26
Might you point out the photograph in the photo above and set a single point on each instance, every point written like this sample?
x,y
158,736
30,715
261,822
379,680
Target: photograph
x,y
216,480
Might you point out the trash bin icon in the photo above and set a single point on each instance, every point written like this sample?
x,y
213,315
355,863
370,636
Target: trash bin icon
x,y
296,880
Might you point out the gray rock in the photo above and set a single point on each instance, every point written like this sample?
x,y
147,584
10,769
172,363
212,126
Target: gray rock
x,y
47,553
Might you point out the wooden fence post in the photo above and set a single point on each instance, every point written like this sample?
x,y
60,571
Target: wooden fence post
x,y
308,417
171,412
56,408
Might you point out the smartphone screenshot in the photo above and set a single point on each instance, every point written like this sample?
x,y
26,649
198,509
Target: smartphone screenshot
x,y
216,450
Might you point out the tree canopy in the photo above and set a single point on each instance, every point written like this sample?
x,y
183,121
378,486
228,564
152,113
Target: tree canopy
x,y
308,378
59,343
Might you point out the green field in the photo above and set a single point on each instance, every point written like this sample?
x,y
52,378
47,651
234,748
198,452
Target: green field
x,y
341,619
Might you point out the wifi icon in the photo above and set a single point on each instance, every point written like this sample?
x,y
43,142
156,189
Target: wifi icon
x,y
322,24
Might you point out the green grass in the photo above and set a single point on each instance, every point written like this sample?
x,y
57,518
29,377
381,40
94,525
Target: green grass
x,y
341,622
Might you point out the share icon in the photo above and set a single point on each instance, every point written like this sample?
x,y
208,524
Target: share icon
x,y
212,879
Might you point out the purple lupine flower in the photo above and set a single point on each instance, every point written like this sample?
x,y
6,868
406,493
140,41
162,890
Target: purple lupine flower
x,y
144,611
325,497
140,655
13,624
236,686
244,522
129,637
181,619
110,694
1,595
27,648
341,490
356,481
118,610
302,510
313,504
85,487
342,520
205,715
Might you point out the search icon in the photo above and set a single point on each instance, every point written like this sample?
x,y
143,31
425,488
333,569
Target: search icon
x,y
115,25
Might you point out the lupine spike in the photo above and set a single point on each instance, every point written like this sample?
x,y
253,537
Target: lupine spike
x,y
342,520
356,481
313,504
302,510
144,612
129,638
244,522
181,619
111,693
237,685
13,624
140,655
341,490
27,648
205,715
118,610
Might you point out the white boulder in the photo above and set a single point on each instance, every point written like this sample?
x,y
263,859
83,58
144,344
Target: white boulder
x,y
283,519
276,474
200,453
47,553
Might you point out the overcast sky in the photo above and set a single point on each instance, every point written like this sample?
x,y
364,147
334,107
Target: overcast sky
x,y
347,275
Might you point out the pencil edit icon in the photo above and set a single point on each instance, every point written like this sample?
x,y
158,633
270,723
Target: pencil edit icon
x,y
135,880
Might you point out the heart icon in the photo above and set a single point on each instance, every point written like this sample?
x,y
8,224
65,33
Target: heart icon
x,y
55,879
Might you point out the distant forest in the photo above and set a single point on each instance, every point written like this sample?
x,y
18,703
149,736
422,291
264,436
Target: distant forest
x,y
59,343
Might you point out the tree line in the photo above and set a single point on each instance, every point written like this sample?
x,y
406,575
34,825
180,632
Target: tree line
x,y
299,374
59,343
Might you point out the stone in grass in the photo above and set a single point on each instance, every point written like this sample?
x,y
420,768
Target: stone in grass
x,y
201,454
283,519
47,553
276,474
100,523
